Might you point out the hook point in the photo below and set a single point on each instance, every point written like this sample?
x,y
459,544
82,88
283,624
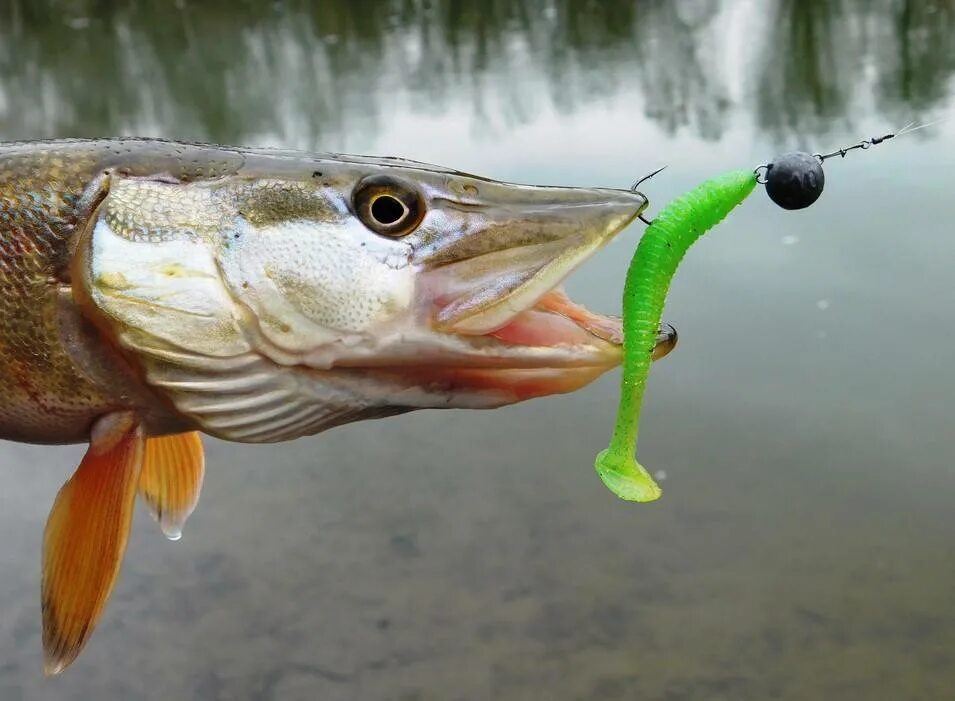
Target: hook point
x,y
633,188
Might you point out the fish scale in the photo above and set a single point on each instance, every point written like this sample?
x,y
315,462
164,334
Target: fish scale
x,y
39,378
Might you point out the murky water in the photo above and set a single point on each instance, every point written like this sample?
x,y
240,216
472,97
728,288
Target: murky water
x,y
803,548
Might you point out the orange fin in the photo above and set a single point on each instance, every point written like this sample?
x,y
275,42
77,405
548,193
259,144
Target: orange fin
x,y
86,536
171,479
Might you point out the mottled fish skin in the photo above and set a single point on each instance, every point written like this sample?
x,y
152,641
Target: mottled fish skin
x,y
71,350
45,396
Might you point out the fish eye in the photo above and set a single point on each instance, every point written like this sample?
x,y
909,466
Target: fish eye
x,y
388,206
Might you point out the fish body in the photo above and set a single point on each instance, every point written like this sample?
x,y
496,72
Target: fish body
x,y
151,290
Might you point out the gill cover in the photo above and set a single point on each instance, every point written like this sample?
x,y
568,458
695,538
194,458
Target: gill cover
x,y
218,290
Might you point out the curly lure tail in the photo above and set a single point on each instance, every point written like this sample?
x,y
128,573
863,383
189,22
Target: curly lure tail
x,y
654,263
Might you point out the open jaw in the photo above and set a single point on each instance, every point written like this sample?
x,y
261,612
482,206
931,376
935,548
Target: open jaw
x,y
501,346
554,346
495,320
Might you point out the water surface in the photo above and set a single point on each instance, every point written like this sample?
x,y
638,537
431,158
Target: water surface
x,y
803,548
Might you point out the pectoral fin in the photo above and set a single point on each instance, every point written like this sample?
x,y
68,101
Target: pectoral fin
x,y
171,479
86,535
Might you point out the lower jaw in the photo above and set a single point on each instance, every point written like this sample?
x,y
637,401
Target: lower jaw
x,y
530,384
495,387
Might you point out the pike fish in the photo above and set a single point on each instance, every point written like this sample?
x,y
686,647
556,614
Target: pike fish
x,y
152,290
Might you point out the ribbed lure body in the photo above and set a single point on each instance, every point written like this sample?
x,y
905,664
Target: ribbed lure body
x,y
654,263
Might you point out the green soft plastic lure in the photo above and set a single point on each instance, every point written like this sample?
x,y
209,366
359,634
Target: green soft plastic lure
x,y
660,251
793,181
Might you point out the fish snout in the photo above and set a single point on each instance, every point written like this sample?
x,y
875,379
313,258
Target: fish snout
x,y
488,258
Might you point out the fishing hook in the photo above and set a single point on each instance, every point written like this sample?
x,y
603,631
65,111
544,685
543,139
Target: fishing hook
x,y
633,188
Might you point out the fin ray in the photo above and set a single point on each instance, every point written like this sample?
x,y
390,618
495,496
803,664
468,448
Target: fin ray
x,y
86,535
171,479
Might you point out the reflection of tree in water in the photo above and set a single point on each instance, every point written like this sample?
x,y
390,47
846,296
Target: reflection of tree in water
x,y
915,55
304,72
679,84
818,57
808,69
308,74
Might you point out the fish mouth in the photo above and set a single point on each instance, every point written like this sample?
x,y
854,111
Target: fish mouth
x,y
555,346
556,321
508,326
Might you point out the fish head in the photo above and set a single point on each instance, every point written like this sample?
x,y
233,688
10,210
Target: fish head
x,y
308,293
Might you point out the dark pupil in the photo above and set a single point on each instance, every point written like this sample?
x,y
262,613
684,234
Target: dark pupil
x,y
387,210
